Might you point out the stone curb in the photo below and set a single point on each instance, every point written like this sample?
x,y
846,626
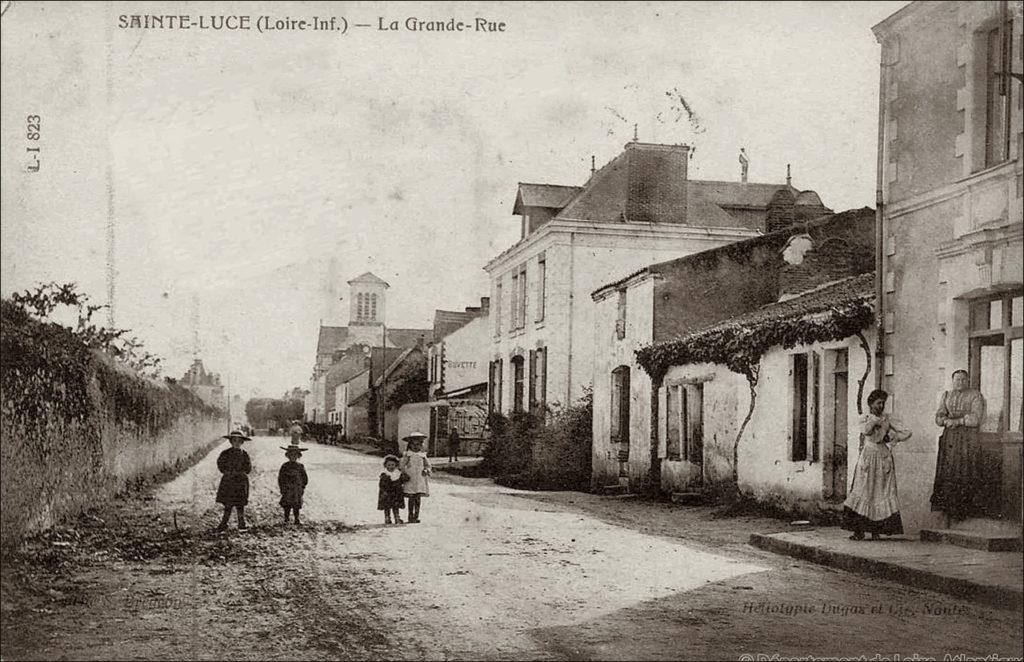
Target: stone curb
x,y
1000,597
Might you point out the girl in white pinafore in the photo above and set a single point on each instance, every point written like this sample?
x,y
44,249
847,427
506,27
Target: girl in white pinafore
x,y
416,466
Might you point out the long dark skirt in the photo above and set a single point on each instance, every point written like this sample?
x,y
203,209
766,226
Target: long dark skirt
x,y
959,487
854,521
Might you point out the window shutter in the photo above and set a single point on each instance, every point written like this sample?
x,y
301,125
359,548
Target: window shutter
x,y
544,378
662,420
533,380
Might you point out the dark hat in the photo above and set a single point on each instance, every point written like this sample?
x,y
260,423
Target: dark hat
x,y
293,447
390,458
236,434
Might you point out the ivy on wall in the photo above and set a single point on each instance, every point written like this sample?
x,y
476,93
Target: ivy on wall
x,y
740,347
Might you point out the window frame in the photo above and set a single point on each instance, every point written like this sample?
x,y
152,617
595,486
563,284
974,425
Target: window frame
x,y
979,337
805,384
518,382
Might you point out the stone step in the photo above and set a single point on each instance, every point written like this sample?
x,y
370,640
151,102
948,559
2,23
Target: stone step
x,y
688,498
987,542
610,490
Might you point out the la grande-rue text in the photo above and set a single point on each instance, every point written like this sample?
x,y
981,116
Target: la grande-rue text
x,y
413,24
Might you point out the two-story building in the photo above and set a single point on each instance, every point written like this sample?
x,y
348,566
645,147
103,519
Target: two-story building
x,y
638,209
950,284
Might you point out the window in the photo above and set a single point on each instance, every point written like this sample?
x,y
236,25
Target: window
x,y
620,320
685,418
998,47
542,275
518,382
996,344
806,388
520,313
514,308
373,306
620,405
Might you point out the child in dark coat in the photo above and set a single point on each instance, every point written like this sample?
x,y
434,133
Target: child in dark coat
x,y
292,481
233,490
390,497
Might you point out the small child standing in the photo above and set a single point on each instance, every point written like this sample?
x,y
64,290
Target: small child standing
x,y
416,466
292,480
233,490
390,497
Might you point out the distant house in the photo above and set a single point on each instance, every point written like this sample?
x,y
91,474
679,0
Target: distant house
x,y
638,209
754,317
457,372
206,385
367,306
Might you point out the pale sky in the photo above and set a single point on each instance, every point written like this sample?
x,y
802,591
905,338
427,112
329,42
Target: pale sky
x,y
259,172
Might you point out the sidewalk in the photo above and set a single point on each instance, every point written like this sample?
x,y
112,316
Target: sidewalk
x,y
991,578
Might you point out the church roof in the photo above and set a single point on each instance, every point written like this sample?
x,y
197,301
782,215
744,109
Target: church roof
x,y
369,278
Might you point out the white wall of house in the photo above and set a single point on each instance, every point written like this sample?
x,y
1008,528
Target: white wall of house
x,y
611,352
767,468
460,356
579,257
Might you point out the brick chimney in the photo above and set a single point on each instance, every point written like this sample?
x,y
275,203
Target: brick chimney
x,y
656,182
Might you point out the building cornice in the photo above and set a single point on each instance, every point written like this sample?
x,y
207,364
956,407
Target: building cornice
x,y
887,25
563,227
953,190
982,238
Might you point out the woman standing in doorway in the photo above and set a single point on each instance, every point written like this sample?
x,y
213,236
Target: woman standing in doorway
x,y
959,491
873,505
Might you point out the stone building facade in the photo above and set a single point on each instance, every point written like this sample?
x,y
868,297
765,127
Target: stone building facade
x,y
950,188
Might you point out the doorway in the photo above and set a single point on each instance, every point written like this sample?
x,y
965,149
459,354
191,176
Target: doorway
x,y
834,459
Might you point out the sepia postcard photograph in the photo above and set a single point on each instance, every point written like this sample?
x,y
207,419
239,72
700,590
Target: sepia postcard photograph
x,y
512,330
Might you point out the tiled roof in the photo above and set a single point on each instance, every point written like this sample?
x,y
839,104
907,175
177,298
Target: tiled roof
x,y
409,337
551,196
449,321
737,194
330,339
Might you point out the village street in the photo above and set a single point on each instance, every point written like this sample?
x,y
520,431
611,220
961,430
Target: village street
x,y
491,573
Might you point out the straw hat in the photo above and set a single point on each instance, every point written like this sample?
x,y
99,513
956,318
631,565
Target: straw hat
x,y
236,434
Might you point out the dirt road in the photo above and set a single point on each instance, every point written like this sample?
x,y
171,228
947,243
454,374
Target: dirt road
x,y
491,573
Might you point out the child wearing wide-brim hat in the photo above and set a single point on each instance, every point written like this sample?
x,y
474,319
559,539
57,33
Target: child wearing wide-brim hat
x,y
233,490
390,497
292,481
416,466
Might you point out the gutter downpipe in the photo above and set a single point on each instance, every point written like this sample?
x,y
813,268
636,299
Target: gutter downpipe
x,y
880,230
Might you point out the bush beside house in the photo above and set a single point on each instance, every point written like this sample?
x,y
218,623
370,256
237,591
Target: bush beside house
x,y
526,453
